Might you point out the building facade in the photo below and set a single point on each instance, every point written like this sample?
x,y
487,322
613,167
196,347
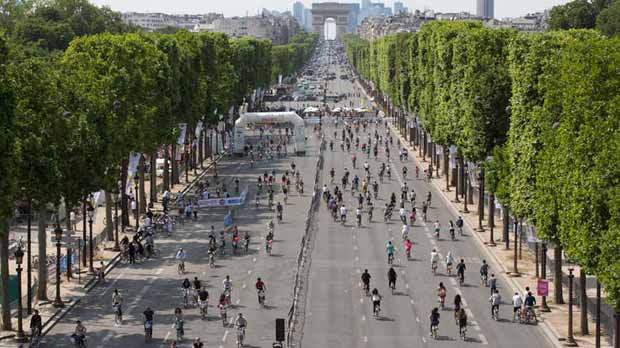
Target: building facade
x,y
298,12
485,9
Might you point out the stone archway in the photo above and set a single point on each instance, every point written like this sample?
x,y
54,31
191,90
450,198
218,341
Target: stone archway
x,y
322,11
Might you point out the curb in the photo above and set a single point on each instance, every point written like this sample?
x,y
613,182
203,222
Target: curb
x,y
549,332
57,317
111,265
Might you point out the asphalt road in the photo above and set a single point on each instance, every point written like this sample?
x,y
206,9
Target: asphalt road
x,y
155,283
338,314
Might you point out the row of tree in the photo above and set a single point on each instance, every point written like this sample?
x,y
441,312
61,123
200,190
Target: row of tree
x,y
540,112
604,15
70,113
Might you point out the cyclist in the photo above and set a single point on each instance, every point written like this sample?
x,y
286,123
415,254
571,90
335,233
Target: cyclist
x,y
496,300
459,225
181,256
449,262
240,324
370,209
260,288
462,322
405,231
148,317
424,210
434,260
343,213
528,305
198,343
441,294
376,301
358,214
375,188
279,209
434,317
35,328
403,215
493,283
117,302
79,334
408,246
484,272
451,229
366,281
457,305
428,198
203,296
437,228
460,270
227,285
391,278
390,251
517,303
186,286
332,173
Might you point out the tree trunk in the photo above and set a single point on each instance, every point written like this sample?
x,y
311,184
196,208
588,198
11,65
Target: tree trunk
x,y
4,275
201,149
109,221
142,199
491,222
557,274
175,165
583,302
124,196
166,168
67,217
153,178
42,241
446,169
506,226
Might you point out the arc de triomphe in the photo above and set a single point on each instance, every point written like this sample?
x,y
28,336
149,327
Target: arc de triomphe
x,y
322,11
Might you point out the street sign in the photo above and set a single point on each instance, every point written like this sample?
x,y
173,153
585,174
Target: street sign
x,y
542,287
228,221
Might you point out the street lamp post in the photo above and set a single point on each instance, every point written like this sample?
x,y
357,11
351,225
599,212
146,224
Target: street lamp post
x,y
570,340
19,256
543,274
115,196
136,181
91,215
58,234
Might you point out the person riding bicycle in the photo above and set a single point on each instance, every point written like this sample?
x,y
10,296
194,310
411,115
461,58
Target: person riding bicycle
x,y
434,318
484,270
528,305
496,300
117,302
459,224
36,325
366,280
437,228
461,317
79,334
517,303
441,294
408,245
389,248
376,300
241,322
391,278
428,198
181,256
449,261
434,258
343,213
260,287
148,315
460,270
358,214
279,209
203,294
227,283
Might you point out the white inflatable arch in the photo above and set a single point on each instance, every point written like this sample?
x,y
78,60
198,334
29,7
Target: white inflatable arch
x,y
299,136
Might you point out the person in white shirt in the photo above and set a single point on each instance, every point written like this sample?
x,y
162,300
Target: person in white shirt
x,y
73,220
517,302
403,215
343,213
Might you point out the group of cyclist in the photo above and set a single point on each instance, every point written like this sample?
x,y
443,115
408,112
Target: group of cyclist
x,y
366,189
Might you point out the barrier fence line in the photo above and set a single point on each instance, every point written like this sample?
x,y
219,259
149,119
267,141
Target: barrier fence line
x,y
304,251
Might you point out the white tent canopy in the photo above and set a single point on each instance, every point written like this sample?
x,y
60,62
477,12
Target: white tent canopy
x,y
270,118
311,109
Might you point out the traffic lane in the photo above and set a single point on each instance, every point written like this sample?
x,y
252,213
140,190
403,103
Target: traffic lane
x,y
330,301
475,295
193,249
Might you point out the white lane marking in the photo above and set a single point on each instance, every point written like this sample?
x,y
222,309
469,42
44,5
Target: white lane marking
x,y
429,235
417,319
483,339
453,281
355,247
159,271
249,271
254,260
363,318
361,300
411,301
365,339
423,339
402,272
244,285
225,335
357,258
184,241
167,336
359,270
237,302
407,286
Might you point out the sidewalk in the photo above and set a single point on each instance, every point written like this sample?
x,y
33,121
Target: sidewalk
x,y
555,321
72,290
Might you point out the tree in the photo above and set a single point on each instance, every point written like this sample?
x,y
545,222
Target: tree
x,y
608,21
577,14
8,148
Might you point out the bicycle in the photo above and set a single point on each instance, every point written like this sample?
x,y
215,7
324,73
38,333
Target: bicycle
x,y
463,333
495,312
181,268
186,298
390,259
434,331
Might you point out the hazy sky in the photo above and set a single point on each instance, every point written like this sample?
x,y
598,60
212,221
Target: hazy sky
x,y
503,8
